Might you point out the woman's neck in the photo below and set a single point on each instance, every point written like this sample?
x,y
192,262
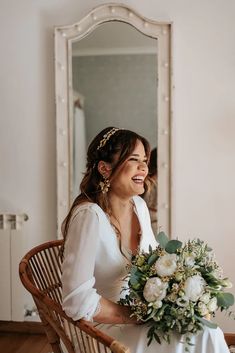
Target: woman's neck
x,y
125,222
120,206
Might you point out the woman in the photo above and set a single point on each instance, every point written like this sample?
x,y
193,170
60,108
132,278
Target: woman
x,y
107,222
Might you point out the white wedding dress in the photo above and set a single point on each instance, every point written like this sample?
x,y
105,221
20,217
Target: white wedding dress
x,y
94,266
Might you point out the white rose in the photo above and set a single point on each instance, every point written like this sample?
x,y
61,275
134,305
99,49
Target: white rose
x,y
203,310
166,265
194,287
205,298
154,289
212,305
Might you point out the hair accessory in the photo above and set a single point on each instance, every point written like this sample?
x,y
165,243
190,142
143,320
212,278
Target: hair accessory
x,y
106,137
104,185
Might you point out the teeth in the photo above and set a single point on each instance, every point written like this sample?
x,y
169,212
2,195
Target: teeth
x,y
138,178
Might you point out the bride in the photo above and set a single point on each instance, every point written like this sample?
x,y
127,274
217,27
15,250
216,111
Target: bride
x,y
105,226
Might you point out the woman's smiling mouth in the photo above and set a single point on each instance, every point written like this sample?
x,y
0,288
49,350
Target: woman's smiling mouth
x,y
138,179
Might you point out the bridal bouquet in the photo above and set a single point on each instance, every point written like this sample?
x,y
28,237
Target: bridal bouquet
x,y
175,287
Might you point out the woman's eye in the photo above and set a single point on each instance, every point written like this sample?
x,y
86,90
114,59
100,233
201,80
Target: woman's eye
x,y
137,160
133,159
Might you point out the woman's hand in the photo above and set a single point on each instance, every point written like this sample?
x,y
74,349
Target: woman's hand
x,y
112,313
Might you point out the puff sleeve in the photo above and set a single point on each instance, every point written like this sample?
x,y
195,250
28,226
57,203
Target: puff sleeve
x,y
80,299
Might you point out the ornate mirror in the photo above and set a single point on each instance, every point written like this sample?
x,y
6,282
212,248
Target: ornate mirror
x,y
112,68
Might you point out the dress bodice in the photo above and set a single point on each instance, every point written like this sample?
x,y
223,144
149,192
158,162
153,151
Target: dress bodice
x,y
93,264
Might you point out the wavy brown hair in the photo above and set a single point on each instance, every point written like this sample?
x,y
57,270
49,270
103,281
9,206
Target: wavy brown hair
x,y
121,144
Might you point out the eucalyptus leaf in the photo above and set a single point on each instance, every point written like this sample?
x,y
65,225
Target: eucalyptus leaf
x,y
225,299
172,246
205,322
162,239
134,277
152,259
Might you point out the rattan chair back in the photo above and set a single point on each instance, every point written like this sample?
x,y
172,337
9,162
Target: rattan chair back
x,y
40,273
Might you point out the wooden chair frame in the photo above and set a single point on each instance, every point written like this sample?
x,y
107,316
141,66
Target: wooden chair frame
x,y
40,273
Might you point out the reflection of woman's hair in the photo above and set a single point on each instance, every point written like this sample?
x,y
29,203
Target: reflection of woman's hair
x,y
153,163
115,151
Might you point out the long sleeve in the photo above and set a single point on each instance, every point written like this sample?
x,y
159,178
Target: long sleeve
x,y
80,299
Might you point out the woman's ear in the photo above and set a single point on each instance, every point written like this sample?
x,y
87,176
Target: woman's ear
x,y
104,169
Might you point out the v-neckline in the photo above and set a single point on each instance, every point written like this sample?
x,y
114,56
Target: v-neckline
x,y
127,250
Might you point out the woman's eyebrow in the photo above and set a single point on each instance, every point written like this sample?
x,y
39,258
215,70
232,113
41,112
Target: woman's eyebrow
x,y
137,155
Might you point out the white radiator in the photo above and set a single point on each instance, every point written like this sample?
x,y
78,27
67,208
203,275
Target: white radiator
x,y
13,297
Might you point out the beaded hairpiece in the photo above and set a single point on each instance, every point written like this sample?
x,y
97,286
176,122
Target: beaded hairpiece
x,y
106,137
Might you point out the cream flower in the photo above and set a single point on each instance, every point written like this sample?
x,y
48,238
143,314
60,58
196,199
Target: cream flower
x,y
154,290
202,308
166,265
189,259
194,287
212,305
205,298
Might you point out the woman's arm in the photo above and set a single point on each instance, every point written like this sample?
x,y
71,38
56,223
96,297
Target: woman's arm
x,y
80,298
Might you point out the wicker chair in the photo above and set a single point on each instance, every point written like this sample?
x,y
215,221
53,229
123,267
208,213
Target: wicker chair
x,y
40,273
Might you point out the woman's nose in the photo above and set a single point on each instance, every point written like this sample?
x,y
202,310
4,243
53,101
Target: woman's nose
x,y
143,166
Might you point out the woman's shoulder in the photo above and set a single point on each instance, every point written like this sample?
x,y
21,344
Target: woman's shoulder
x,y
87,208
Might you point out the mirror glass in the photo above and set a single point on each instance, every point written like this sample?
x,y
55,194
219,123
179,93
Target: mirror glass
x,y
114,81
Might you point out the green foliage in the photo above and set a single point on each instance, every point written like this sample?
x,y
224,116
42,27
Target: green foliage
x,y
172,246
162,239
152,259
225,300
135,277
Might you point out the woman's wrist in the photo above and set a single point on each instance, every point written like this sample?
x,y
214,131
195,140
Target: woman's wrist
x,y
128,317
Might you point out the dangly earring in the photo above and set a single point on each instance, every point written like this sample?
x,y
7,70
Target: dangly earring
x,y
104,185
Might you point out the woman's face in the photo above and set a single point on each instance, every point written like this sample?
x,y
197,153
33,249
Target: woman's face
x,y
129,180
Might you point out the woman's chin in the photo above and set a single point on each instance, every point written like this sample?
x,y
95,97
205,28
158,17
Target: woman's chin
x,y
139,190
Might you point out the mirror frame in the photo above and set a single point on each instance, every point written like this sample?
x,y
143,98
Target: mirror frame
x,y
64,37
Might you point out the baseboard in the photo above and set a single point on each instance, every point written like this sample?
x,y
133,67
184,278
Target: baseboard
x,y
21,327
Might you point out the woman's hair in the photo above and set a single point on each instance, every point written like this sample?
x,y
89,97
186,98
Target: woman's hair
x,y
111,146
153,162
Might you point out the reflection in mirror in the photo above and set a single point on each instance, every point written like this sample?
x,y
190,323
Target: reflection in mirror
x,y
114,75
